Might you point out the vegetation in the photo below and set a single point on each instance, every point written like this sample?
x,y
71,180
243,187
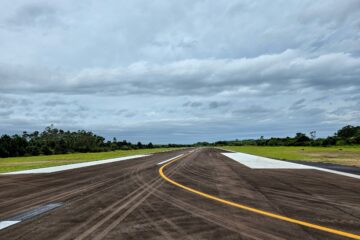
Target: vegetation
x,y
74,144
345,155
56,141
24,163
348,135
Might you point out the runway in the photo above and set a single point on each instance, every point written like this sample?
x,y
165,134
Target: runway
x,y
132,199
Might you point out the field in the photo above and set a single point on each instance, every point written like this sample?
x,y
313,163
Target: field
x,y
344,155
24,163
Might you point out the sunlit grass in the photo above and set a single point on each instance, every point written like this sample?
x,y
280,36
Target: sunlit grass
x,y
345,155
25,163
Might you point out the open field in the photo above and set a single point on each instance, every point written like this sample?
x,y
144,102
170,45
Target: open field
x,y
344,155
201,194
25,163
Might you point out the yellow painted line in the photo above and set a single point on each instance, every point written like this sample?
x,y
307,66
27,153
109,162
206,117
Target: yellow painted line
x,y
251,209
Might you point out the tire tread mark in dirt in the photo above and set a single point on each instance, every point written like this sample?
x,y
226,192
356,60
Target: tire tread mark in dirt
x,y
158,227
109,208
183,234
118,210
316,198
60,197
150,189
205,215
268,200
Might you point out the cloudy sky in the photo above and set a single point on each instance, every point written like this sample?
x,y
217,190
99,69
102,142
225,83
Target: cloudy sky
x,y
180,71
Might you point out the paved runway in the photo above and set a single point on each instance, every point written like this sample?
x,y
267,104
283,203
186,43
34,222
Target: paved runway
x,y
201,194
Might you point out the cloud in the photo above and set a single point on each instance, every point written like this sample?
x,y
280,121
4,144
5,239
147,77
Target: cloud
x,y
298,104
251,111
39,14
287,71
6,113
192,104
327,12
52,103
185,70
217,104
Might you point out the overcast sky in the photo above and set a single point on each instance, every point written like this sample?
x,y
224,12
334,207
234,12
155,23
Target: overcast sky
x,y
180,71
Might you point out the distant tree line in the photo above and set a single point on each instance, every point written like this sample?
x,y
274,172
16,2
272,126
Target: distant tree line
x,y
348,135
57,141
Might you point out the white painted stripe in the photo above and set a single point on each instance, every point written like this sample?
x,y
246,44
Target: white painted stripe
x,y
257,162
338,172
74,166
5,224
169,159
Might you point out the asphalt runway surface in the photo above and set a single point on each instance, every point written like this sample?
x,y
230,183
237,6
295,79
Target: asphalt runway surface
x,y
199,195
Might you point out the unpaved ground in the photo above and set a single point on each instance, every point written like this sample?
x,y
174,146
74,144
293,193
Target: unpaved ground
x,y
129,200
346,158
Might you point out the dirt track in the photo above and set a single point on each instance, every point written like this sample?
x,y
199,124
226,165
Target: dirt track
x,y
129,200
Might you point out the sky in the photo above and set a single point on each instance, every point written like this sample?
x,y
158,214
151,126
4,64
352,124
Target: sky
x,y
180,71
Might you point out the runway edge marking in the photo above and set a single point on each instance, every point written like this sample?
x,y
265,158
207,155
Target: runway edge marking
x,y
5,224
66,167
251,209
160,163
259,162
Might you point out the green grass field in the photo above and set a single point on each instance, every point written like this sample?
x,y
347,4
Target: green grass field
x,y
344,155
25,163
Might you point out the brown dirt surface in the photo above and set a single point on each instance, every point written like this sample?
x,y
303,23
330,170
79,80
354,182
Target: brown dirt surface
x,y
129,200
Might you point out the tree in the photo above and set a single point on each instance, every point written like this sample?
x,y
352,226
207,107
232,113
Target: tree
x,y
349,134
313,135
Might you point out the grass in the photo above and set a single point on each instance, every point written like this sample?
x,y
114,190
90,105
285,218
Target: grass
x,y
344,155
25,163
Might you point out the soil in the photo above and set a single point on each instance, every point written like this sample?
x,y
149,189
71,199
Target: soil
x,y
129,200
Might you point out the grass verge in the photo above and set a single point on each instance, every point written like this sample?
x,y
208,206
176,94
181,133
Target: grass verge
x,y
344,155
25,163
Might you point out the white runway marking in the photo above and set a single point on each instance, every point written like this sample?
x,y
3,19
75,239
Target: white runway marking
x,y
257,162
5,224
169,159
74,166
28,214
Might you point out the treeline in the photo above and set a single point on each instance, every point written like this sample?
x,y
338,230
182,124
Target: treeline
x,y
348,135
57,141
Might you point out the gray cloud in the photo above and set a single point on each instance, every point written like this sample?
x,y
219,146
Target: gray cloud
x,y
6,113
279,72
34,15
57,102
254,110
192,104
165,71
299,104
217,104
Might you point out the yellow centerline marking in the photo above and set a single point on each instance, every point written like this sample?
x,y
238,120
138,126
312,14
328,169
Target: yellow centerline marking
x,y
251,209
